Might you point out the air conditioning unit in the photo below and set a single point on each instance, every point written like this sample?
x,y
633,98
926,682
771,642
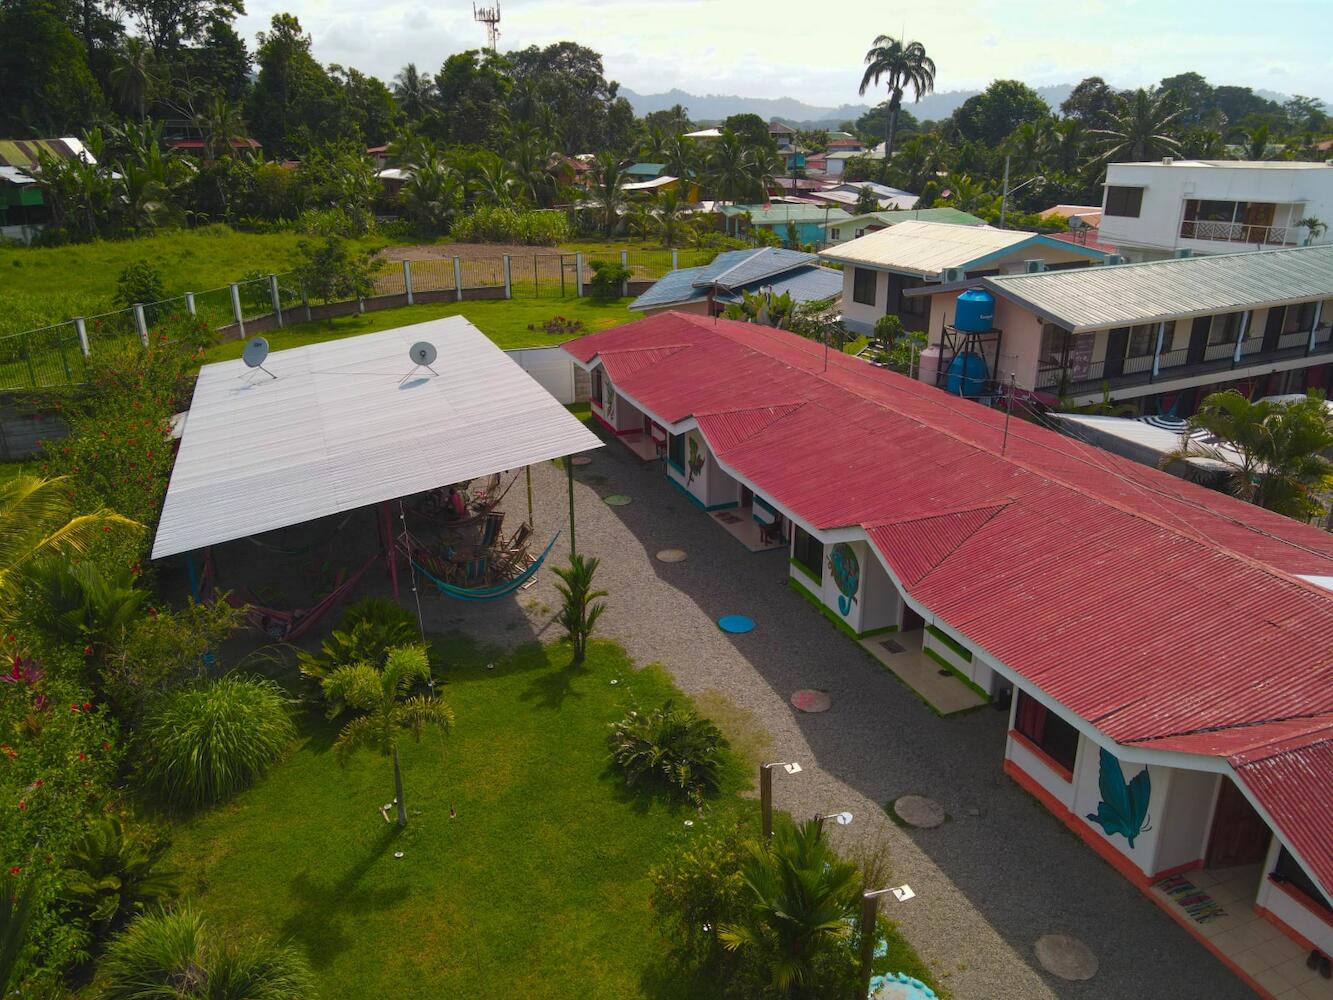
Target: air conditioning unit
x,y
1183,252
950,275
1115,258
1034,266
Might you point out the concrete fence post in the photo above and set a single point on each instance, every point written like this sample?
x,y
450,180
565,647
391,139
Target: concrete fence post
x,y
458,278
189,304
236,308
509,282
275,297
305,301
578,275
81,328
675,259
407,280
624,262
141,323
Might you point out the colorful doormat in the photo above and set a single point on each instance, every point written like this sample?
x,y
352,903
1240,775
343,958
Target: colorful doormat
x,y
1197,903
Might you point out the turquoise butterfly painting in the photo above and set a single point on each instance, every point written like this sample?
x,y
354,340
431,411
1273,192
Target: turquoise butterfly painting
x,y
1124,807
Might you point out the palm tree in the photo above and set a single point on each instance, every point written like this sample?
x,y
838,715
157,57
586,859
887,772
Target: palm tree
x,y
1255,146
608,189
493,183
220,124
802,898
1314,228
1140,128
1273,452
412,92
680,157
968,195
111,875
901,65
132,74
383,696
1028,146
669,215
37,518
728,169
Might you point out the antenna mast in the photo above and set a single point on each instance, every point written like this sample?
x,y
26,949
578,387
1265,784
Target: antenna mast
x,y
489,16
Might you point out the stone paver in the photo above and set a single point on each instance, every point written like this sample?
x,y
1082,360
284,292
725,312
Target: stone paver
x,y
1065,956
989,883
919,811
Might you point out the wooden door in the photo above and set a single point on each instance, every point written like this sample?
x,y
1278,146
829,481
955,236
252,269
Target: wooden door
x,y
1273,327
1198,339
1117,341
1239,835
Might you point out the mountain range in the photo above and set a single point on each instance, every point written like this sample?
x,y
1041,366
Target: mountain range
x,y
705,108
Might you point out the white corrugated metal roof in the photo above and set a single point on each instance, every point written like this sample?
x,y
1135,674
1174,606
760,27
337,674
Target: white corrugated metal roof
x,y
926,247
1099,298
340,428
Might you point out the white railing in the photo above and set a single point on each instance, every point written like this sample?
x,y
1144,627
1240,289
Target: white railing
x,y
1239,232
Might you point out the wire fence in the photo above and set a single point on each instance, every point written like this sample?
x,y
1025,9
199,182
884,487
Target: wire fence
x,y
56,355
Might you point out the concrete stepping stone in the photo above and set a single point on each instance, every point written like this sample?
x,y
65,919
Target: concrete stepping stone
x,y
919,811
1065,956
582,460
736,624
616,500
807,700
671,555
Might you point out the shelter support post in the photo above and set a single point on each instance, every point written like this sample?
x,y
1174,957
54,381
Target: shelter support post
x,y
192,572
527,471
569,470
390,553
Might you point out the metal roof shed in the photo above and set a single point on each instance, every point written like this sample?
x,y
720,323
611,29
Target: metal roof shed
x,y
349,423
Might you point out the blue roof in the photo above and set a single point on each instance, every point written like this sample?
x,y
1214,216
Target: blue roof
x,y
734,270
646,169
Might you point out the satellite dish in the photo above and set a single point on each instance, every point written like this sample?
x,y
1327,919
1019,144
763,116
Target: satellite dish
x,y
255,352
422,353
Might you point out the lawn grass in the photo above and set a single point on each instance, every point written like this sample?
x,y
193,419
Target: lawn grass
x,y
504,321
537,889
45,285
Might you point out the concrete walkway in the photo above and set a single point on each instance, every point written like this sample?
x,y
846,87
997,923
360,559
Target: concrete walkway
x,y
999,874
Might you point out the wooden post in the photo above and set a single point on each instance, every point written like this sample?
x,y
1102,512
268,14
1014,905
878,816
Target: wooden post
x,y
407,279
766,800
869,911
527,469
569,468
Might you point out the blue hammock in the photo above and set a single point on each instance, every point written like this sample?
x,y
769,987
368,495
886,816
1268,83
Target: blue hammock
x,y
492,592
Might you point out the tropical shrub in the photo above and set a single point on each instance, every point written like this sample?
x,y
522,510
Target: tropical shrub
x,y
608,279
695,893
669,746
58,754
580,607
179,955
366,632
559,326
331,271
495,224
111,876
163,649
139,282
205,743
80,604
16,899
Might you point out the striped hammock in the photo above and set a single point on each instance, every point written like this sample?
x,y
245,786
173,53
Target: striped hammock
x,y
492,592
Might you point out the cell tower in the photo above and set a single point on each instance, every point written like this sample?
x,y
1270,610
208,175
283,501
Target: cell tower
x,y
489,16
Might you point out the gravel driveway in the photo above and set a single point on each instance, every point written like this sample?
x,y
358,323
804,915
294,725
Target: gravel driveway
x,y
990,881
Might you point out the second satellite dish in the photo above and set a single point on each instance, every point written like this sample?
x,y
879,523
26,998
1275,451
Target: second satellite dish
x,y
423,353
255,352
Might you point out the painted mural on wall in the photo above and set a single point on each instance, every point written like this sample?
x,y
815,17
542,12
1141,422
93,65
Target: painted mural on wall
x,y
846,570
609,407
1124,806
695,465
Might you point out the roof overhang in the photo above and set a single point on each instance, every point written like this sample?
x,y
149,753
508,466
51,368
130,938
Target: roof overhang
x,y
348,423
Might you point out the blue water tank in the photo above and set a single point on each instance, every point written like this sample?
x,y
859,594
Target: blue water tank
x,y
975,312
967,375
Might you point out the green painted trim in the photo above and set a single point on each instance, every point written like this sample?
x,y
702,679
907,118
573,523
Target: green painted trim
x,y
951,642
696,501
804,571
955,671
879,631
679,468
823,608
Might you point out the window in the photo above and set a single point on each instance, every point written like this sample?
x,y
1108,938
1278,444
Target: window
x,y
1288,870
864,283
1224,329
808,551
1054,737
1299,318
1125,201
835,234
597,396
1054,342
1142,340
676,451
915,306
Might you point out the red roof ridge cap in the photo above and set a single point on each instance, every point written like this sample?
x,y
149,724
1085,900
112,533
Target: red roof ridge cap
x,y
995,505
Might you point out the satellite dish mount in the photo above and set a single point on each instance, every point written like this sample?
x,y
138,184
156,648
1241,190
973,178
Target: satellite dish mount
x,y
423,355
254,355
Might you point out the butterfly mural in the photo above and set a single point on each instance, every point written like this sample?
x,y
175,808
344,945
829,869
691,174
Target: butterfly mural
x,y
846,570
696,462
1124,806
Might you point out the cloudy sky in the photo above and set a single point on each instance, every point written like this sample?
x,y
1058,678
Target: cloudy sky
x,y
797,48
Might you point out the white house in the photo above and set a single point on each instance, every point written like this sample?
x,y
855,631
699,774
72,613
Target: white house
x,y
1152,210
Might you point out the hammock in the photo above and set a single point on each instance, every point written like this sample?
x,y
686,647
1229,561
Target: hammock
x,y
288,626
492,592
483,505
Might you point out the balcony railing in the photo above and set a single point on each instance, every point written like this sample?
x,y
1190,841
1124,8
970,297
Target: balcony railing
x,y
1239,232
1176,364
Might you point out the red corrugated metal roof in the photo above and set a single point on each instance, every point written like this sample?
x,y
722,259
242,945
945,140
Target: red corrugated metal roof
x,y
1167,615
621,364
1293,780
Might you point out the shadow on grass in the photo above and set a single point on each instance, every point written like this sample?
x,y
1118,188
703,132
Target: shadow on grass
x,y
329,910
552,688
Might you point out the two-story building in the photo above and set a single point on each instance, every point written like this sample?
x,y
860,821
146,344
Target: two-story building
x,y
1153,210
880,268
1162,334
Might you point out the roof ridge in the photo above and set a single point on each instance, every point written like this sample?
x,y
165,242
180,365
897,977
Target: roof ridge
x,y
996,506
1201,258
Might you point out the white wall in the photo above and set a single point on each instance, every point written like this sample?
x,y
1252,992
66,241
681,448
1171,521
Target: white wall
x,y
1056,784
1187,818
1296,916
976,669
710,486
1156,232
860,317
881,602
552,369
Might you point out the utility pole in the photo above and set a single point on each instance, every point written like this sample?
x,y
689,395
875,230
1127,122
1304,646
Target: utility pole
x,y
1009,405
1004,197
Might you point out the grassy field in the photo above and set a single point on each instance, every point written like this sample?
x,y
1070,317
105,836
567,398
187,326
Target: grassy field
x,y
536,889
42,285
505,322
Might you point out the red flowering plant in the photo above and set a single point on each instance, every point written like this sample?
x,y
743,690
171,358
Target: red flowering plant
x,y
59,750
